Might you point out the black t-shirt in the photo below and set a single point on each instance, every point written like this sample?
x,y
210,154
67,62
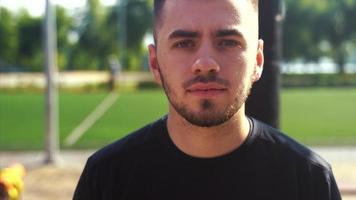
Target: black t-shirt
x,y
147,165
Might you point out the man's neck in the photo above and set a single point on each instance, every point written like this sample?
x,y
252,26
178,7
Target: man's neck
x,y
208,142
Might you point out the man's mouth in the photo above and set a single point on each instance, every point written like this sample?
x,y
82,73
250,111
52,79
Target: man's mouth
x,y
206,89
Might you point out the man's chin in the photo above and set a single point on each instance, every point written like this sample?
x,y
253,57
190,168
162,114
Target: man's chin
x,y
206,120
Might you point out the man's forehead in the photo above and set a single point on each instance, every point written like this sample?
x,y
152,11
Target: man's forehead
x,y
199,14
202,30
207,17
236,3
180,10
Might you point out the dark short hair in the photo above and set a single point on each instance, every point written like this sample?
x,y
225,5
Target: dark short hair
x,y
158,6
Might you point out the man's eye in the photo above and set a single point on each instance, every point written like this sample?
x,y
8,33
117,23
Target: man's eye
x,y
228,43
185,44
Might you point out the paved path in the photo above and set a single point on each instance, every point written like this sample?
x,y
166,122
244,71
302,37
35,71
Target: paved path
x,y
33,159
343,162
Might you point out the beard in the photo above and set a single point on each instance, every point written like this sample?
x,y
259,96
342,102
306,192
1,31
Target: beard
x,y
209,115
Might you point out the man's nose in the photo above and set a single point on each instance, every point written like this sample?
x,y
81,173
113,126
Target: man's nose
x,y
205,63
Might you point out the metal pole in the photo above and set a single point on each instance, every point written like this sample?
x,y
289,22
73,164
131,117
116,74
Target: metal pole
x,y
51,138
263,102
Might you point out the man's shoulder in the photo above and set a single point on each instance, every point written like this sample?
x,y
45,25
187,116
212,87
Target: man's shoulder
x,y
282,143
130,145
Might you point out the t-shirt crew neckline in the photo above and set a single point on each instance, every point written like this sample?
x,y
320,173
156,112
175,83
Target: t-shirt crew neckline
x,y
174,149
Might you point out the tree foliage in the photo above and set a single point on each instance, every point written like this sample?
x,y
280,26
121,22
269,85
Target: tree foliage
x,y
65,25
314,29
21,39
30,45
8,37
100,37
129,23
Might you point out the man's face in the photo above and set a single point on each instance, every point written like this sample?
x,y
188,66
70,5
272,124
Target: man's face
x,y
207,56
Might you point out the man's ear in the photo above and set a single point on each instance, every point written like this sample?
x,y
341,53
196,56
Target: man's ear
x,y
154,67
259,61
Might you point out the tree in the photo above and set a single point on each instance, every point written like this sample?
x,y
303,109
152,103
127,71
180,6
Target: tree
x,y
319,28
100,35
89,52
299,38
8,38
30,46
21,39
137,17
64,27
340,32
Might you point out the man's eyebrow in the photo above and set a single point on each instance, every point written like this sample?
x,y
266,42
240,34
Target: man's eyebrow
x,y
228,32
184,34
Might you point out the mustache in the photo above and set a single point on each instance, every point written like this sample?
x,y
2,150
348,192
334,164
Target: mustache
x,y
210,78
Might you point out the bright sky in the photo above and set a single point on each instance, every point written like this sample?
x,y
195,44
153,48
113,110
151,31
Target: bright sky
x,y
36,7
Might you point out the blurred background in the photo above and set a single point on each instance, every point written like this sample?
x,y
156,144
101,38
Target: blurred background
x,y
105,89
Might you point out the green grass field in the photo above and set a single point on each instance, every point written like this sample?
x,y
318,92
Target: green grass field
x,y
312,116
320,116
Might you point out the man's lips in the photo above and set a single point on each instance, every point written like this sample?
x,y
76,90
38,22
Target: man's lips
x,y
206,89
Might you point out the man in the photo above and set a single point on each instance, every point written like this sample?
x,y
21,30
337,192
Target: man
x,y
206,56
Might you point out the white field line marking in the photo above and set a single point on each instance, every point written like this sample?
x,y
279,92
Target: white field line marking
x,y
90,120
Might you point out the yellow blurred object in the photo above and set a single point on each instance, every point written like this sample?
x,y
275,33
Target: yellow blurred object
x,y
12,178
